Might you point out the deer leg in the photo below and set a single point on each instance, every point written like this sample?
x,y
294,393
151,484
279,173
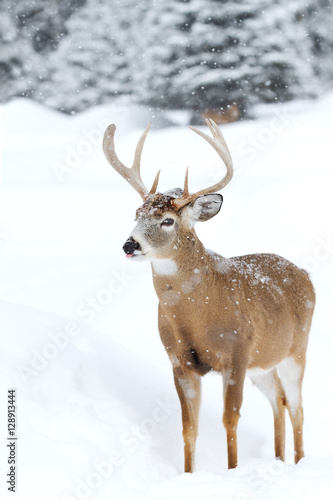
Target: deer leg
x,y
291,373
233,383
270,385
188,385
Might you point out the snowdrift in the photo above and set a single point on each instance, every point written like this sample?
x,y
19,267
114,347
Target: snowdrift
x,y
97,413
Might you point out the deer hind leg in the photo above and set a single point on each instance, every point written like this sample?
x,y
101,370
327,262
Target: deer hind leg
x,y
270,385
291,373
233,385
188,385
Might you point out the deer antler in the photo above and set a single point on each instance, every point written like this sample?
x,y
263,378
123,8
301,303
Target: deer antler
x,y
132,175
220,146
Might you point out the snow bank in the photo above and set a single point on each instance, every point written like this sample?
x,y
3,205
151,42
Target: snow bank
x,y
98,416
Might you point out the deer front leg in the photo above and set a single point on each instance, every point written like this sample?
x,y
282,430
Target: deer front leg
x,y
233,383
188,385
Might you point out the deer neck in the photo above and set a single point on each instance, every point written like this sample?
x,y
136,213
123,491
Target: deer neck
x,y
189,257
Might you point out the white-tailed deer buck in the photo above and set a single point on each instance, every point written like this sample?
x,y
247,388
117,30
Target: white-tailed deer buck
x,y
239,316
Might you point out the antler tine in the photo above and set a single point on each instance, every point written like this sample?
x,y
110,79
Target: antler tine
x,y
139,148
216,131
154,186
185,191
131,175
220,146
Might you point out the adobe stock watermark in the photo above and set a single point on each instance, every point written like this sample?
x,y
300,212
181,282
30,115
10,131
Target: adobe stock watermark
x,y
99,301
131,441
322,252
256,143
40,359
58,341
258,482
91,139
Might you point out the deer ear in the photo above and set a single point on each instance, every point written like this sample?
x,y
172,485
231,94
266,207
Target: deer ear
x,y
206,206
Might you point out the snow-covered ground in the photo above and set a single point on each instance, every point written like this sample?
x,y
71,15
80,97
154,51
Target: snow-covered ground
x,y
98,416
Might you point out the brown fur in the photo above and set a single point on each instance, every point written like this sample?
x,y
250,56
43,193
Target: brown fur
x,y
231,113
230,315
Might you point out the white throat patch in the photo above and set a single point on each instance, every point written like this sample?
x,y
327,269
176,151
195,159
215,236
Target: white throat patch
x,y
165,267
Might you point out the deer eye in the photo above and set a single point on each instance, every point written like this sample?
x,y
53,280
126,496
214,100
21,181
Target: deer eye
x,y
167,222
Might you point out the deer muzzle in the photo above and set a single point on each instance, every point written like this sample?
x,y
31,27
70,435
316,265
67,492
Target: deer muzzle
x,y
130,246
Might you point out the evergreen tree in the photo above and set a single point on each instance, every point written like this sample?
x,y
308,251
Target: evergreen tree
x,y
29,31
17,61
179,54
317,19
91,64
282,54
212,53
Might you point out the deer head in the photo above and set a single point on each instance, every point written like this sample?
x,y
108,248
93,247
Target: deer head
x,y
165,218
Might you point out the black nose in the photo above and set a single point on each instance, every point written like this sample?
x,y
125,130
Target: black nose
x,y
131,245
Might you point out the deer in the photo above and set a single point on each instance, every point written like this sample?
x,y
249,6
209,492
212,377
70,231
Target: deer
x,y
240,316
231,113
